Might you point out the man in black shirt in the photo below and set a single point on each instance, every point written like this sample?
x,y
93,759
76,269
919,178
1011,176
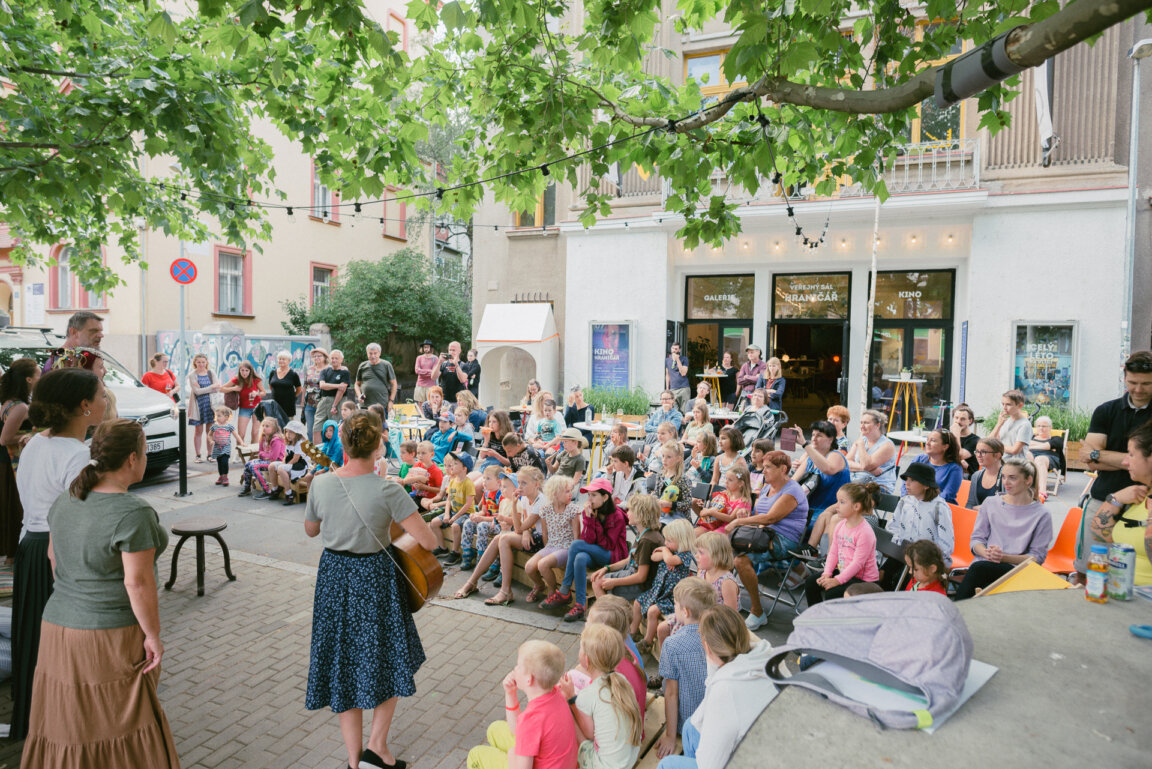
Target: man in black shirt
x,y
453,378
1106,444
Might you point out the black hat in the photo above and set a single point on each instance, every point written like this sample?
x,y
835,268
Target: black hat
x,y
921,472
428,342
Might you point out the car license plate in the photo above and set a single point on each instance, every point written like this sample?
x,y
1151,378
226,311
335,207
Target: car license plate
x,y
155,446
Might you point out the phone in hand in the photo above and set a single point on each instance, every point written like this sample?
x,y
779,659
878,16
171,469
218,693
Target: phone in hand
x,y
787,440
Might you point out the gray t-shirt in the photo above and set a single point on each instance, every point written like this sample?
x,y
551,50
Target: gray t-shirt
x,y
569,465
333,502
376,382
1014,431
88,540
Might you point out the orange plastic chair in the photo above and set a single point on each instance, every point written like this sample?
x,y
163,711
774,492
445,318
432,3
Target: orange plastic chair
x,y
963,521
962,493
1061,559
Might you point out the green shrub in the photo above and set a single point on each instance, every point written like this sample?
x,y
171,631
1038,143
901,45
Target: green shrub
x,y
1074,420
609,400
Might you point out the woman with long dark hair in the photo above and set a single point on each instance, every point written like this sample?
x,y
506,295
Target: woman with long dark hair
x,y
66,402
15,430
942,453
365,648
94,701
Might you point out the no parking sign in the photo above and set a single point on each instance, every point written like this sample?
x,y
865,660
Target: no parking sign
x,y
183,271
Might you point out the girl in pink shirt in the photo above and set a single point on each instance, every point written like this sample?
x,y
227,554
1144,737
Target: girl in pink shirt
x,y
852,557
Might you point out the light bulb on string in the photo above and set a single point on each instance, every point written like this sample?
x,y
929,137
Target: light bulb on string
x,y
291,215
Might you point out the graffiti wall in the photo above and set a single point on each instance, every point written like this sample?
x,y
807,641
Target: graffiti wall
x,y
226,351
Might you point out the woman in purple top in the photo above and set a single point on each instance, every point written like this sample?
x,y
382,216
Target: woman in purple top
x,y
783,508
1009,528
942,451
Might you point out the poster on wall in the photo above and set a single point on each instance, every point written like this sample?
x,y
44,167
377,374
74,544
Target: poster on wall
x,y
34,305
611,355
1043,363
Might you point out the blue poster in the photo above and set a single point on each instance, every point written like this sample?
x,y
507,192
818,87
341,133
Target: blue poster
x,y
611,355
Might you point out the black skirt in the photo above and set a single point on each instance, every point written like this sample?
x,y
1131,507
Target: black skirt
x,y
31,589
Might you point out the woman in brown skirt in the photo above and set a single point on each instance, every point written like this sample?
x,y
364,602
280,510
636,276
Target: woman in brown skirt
x,y
94,697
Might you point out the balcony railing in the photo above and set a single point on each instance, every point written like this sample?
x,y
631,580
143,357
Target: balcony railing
x,y
943,166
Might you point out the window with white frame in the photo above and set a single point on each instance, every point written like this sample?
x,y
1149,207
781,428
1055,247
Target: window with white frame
x,y
68,293
321,283
63,297
230,274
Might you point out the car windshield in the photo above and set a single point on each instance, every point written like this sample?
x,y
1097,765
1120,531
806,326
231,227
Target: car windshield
x,y
117,374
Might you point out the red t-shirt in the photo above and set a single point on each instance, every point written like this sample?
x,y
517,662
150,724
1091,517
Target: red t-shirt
x,y
635,676
931,587
546,733
250,395
435,478
159,382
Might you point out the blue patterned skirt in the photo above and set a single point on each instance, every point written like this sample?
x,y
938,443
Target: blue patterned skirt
x,y
365,648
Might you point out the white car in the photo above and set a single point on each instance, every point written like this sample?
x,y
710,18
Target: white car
x,y
155,411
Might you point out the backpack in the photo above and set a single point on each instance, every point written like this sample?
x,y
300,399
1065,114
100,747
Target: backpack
x,y
911,642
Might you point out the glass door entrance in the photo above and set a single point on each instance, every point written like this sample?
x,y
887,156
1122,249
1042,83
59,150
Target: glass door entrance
x,y
923,350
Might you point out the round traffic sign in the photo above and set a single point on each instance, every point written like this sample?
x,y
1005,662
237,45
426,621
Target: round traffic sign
x,y
183,271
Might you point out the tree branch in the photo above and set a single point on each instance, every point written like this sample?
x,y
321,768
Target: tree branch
x,y
73,75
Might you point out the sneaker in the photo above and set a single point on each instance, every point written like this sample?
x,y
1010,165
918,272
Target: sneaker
x,y
499,581
453,558
289,499
223,480
220,480
575,613
369,760
468,565
263,495
492,573
755,621
441,551
556,600
245,491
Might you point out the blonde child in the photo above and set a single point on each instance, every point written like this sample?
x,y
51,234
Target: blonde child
x,y
458,499
480,526
606,713
702,458
220,439
616,613
675,559
561,527
295,465
424,491
633,575
715,562
682,661
926,565
852,555
728,505
527,534
730,443
653,458
272,449
548,427
544,734
674,501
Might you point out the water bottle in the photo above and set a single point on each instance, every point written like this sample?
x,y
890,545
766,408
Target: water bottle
x,y
1096,588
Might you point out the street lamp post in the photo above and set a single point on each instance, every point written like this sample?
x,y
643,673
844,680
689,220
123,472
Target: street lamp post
x,y
1139,51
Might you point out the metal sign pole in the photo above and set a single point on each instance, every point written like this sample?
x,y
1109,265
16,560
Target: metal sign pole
x,y
183,464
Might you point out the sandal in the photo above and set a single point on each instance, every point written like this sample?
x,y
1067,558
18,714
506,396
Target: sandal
x,y
466,591
199,459
536,594
500,599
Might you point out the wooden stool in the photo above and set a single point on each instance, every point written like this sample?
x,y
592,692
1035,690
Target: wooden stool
x,y
207,526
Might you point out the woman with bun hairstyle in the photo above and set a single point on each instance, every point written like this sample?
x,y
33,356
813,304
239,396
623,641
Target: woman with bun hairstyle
x,y
94,700
66,402
365,648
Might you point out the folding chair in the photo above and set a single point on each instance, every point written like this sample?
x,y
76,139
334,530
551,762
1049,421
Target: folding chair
x,y
1061,558
1056,474
963,522
889,549
886,503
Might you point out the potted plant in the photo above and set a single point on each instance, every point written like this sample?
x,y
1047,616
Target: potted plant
x,y
918,428
632,405
905,373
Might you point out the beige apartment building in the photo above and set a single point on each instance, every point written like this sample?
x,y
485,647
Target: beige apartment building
x,y
994,270
234,287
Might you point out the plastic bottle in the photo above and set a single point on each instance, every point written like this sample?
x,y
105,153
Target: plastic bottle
x,y
1096,589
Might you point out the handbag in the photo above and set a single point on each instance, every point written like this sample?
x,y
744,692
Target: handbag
x,y
752,539
232,400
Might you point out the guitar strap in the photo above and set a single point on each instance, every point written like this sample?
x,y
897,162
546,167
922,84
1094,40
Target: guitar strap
x,y
385,548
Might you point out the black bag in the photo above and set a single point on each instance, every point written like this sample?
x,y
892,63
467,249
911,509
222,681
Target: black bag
x,y
752,539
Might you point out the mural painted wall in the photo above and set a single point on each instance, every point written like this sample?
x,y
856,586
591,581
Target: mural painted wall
x,y
226,351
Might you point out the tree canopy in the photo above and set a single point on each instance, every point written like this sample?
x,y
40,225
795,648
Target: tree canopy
x,y
394,300
95,85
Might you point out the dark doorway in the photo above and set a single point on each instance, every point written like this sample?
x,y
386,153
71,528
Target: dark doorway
x,y
812,358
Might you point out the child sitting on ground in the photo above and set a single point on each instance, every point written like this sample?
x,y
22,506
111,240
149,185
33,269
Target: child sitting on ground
x,y
458,499
630,577
726,506
926,565
570,460
674,559
544,735
425,477
561,518
220,437
616,613
852,554
271,450
682,661
605,710
479,527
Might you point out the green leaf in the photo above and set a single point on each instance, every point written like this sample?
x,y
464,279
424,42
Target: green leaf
x,y
162,27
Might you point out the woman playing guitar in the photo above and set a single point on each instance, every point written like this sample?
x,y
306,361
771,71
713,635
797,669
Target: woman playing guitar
x,y
361,598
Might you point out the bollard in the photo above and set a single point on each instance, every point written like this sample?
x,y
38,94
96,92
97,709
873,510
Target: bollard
x,y
183,460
